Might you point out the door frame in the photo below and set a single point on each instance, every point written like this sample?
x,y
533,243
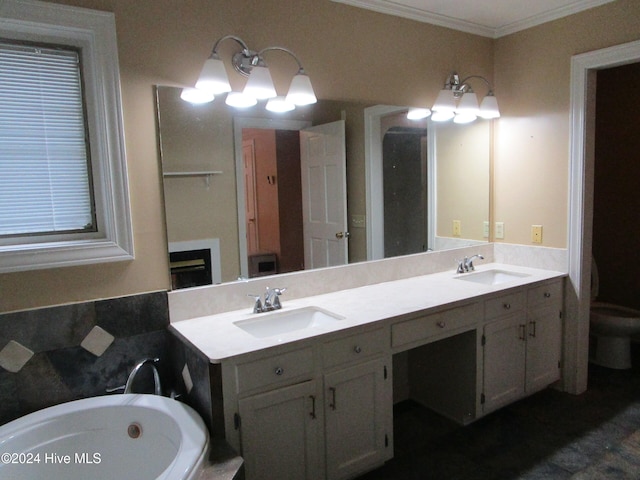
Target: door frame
x,y
580,218
240,123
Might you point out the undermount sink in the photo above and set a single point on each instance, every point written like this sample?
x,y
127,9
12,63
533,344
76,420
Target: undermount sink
x,y
492,277
279,322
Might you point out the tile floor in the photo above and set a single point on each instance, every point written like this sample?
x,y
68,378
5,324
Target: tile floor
x,y
550,435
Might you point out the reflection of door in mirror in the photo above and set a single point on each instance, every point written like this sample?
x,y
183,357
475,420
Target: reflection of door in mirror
x,y
280,238
404,169
324,187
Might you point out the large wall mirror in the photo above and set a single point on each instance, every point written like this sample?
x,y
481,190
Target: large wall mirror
x,y
251,193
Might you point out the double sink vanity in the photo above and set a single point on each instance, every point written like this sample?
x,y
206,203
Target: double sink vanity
x,y
307,391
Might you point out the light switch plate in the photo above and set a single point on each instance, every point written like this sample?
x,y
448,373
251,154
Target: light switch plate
x,y
536,233
499,229
457,228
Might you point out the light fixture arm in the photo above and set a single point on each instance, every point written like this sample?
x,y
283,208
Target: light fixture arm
x,y
286,50
242,43
464,84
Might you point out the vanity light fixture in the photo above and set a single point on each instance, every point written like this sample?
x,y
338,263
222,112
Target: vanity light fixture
x,y
215,81
459,102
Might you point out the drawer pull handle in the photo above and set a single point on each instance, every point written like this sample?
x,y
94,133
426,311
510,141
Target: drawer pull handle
x,y
441,324
332,405
279,371
357,349
507,306
547,295
532,329
522,334
313,406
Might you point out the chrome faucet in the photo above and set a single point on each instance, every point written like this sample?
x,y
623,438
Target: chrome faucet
x,y
466,264
271,300
134,372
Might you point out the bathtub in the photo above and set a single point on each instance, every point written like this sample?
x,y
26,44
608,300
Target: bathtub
x,y
112,437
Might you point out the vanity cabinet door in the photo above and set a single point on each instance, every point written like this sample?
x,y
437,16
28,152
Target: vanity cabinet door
x,y
544,346
281,434
504,361
358,418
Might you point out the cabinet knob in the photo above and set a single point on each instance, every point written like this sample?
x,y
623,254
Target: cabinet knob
x,y
507,306
547,295
279,371
357,349
441,324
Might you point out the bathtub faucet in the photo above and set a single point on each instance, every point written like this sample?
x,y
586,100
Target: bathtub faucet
x,y
134,372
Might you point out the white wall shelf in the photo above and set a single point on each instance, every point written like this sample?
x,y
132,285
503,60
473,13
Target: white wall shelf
x,y
204,173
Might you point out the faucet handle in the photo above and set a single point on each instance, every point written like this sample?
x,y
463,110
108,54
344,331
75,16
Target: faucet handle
x,y
460,268
257,306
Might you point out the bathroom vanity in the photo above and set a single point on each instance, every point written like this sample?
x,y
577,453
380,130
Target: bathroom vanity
x,y
316,401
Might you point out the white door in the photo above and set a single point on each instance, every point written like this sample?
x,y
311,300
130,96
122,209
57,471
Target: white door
x,y
324,195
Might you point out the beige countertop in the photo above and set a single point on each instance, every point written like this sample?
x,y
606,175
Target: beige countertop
x,y
219,339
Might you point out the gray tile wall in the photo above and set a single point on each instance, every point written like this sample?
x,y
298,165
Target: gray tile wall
x,y
56,354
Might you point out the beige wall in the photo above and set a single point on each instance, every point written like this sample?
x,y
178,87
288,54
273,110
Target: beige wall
x,y
380,59
532,72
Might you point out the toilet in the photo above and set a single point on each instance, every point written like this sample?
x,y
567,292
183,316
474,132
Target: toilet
x,y
611,326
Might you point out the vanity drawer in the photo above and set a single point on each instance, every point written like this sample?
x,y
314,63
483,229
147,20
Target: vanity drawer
x,y
549,294
354,348
423,328
275,370
504,305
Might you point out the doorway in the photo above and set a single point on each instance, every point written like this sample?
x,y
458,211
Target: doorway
x,y
584,69
405,187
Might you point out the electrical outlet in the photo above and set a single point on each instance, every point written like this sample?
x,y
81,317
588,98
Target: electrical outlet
x,y
499,229
485,229
457,228
536,233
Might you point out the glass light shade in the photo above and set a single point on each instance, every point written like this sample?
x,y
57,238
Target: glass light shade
x,y
196,96
464,118
213,77
489,107
279,105
240,100
445,101
442,116
260,84
300,91
418,113
468,104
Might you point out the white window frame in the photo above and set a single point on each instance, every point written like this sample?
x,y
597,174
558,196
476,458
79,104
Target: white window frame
x,y
94,33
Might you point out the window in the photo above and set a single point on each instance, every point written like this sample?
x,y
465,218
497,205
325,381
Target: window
x,y
63,185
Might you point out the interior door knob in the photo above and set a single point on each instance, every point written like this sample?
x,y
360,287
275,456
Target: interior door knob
x,y
342,235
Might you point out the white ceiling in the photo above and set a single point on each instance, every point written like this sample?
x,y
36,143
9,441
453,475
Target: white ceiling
x,y
489,18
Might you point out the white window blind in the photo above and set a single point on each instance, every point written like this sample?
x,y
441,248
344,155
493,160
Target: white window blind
x,y
44,166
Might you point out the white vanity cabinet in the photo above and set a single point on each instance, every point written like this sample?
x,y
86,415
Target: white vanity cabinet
x,y
279,428
325,411
521,344
320,406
